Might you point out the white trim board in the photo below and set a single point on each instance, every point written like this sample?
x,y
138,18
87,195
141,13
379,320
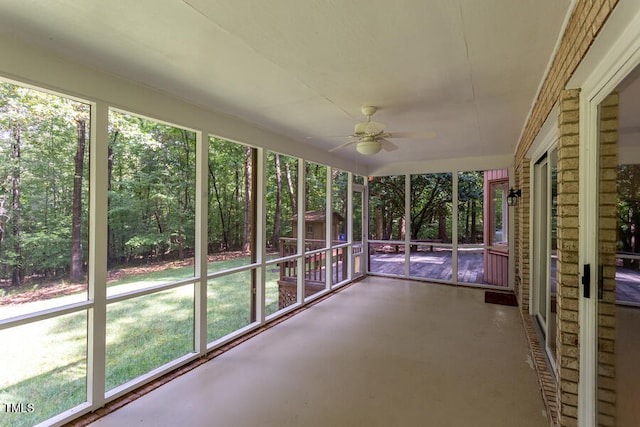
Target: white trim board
x,y
613,56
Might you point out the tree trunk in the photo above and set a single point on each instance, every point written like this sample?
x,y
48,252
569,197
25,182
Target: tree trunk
x,y
401,228
225,236
379,224
442,226
292,196
77,273
277,217
473,222
3,216
111,245
246,239
466,222
17,274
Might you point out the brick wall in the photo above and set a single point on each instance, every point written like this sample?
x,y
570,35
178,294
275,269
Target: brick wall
x,y
585,23
567,347
607,225
522,241
583,26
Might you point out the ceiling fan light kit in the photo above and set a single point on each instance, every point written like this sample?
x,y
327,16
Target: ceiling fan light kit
x,y
368,147
370,137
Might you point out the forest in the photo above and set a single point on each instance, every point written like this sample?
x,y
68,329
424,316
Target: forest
x,y
431,211
628,207
44,192
43,188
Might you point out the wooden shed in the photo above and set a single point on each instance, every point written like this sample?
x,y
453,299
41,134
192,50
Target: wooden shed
x,y
315,225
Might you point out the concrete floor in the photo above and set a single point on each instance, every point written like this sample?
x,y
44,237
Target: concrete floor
x,y
384,352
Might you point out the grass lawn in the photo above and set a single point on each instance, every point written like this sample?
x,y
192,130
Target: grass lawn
x,y
45,363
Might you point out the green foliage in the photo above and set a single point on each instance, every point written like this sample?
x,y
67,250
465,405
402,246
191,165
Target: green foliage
x,y
431,206
46,252
628,207
281,196
152,197
339,198
470,206
38,141
315,186
386,207
230,166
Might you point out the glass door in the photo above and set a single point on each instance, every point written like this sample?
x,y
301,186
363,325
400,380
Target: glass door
x,y
618,256
540,242
544,249
357,233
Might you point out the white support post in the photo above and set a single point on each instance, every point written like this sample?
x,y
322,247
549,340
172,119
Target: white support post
x,y
98,207
328,224
454,227
261,234
201,243
407,224
349,227
365,228
302,231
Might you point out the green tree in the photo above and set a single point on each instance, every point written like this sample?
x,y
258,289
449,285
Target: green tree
x,y
151,190
386,207
431,196
41,194
628,206
470,203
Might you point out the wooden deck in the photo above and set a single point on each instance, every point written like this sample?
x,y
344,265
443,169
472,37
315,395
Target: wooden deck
x,y
628,285
436,265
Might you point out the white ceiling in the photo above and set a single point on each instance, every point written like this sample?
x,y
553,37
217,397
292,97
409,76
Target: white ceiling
x,y
467,69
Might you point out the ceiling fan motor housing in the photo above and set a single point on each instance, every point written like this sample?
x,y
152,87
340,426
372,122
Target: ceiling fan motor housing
x,y
369,127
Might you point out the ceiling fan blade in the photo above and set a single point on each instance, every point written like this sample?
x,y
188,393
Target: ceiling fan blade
x,y
415,135
387,145
329,136
343,145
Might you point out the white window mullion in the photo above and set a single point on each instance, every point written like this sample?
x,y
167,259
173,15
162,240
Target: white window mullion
x,y
407,224
98,207
365,228
302,231
454,227
349,227
201,243
261,233
328,223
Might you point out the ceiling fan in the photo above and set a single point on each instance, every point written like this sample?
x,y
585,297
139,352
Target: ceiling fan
x,y
370,137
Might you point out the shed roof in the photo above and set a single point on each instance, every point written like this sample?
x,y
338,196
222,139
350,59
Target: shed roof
x,y
317,216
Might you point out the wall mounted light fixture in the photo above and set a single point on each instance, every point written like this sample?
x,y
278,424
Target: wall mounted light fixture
x,y
514,195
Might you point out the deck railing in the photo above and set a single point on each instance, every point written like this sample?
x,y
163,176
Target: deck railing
x,y
314,263
314,269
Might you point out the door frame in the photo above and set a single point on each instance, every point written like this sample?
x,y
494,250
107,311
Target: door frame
x,y
621,57
545,143
540,241
361,190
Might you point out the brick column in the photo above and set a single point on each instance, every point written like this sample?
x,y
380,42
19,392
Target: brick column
x,y
607,237
568,353
522,240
